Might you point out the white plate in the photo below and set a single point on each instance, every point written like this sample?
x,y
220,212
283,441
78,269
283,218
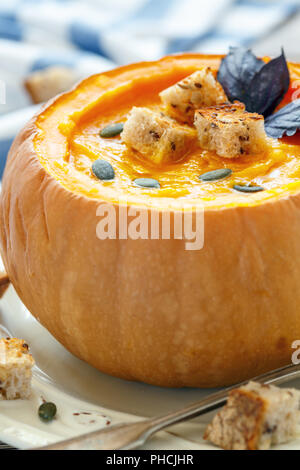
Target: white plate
x,y
86,399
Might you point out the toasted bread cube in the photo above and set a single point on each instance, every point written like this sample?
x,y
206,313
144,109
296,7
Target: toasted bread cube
x,y
255,417
195,91
230,131
15,369
44,84
156,136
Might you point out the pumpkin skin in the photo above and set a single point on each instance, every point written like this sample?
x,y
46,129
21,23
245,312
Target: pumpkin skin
x,y
149,310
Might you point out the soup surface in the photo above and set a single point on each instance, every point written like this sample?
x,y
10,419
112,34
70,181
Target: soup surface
x,y
68,142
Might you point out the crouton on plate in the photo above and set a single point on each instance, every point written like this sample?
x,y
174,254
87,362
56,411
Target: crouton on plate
x,y
230,131
15,369
195,91
156,136
255,417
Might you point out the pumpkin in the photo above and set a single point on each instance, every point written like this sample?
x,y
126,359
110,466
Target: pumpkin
x,y
149,309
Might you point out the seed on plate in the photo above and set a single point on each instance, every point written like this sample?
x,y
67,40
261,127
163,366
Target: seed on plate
x,y
112,130
146,183
216,174
248,189
47,411
103,170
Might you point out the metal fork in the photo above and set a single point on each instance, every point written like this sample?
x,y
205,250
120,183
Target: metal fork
x,y
132,435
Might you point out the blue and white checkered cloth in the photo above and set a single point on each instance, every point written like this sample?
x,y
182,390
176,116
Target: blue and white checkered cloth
x,y
94,35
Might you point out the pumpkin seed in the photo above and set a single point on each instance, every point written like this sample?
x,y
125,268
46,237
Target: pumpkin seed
x,y
146,183
112,130
247,189
47,411
103,170
216,174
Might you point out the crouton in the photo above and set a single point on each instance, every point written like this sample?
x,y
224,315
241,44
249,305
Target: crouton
x,y
255,417
195,91
15,369
156,136
44,84
230,131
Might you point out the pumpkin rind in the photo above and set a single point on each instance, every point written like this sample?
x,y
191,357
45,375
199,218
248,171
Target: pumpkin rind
x,y
149,310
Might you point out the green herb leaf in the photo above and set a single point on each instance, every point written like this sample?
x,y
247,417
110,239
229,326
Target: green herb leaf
x,y
260,86
286,121
236,71
268,86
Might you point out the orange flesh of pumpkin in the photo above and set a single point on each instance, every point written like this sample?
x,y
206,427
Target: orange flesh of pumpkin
x,y
68,142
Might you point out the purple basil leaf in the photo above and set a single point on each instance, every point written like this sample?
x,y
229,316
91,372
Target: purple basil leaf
x,y
285,121
236,72
268,87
